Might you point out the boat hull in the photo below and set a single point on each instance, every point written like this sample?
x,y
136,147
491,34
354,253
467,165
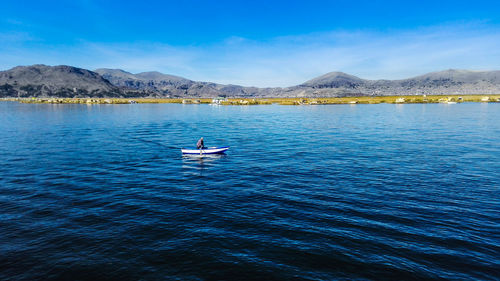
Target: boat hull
x,y
208,150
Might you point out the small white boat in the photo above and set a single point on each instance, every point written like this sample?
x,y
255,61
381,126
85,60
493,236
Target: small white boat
x,y
206,150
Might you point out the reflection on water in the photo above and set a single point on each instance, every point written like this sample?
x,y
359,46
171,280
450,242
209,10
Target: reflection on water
x,y
199,162
201,157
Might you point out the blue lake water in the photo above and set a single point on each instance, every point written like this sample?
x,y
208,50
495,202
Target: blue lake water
x,y
386,192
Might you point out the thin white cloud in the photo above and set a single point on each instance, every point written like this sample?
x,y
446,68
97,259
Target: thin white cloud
x,y
288,60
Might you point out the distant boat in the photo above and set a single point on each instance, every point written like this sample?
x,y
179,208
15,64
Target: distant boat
x,y
207,150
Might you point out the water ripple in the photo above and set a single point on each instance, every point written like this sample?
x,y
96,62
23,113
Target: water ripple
x,y
309,193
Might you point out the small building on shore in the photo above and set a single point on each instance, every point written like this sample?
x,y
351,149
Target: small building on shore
x,y
219,100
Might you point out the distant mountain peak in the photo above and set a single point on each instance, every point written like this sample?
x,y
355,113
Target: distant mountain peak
x,y
461,76
334,79
116,70
114,74
453,71
155,75
59,80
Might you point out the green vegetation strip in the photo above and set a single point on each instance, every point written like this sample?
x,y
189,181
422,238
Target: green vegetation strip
x,y
282,101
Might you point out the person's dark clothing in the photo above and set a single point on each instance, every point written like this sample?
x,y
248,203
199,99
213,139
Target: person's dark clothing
x,y
200,144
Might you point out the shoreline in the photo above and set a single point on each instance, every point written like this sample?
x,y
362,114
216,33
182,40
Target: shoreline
x,y
447,99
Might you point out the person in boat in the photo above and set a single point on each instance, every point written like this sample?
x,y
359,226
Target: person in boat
x,y
200,144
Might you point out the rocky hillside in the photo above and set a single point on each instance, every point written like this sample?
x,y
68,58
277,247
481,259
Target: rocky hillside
x,y
448,82
55,81
151,81
67,81
158,84
332,84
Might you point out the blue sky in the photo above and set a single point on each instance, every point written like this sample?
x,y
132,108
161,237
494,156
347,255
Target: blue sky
x,y
260,43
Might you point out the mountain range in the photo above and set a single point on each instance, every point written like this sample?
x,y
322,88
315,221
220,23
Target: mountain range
x,y
68,81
